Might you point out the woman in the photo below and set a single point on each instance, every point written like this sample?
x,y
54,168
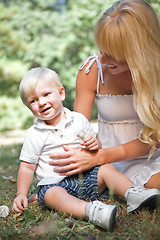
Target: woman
x,y
124,79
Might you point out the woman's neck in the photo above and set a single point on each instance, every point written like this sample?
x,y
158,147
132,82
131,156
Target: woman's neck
x,y
117,84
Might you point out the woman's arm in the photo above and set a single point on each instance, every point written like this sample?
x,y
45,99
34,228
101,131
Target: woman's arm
x,y
77,161
86,87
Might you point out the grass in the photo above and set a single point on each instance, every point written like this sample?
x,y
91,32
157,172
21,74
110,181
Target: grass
x,y
36,223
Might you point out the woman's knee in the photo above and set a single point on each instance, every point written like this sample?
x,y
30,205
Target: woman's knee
x,y
154,181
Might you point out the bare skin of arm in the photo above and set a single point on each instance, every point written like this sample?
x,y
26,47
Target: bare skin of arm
x,y
86,87
24,180
79,160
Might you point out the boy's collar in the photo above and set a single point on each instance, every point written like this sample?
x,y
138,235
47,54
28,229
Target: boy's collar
x,y
65,122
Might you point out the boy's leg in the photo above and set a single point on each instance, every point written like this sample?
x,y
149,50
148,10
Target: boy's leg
x,y
59,199
137,196
109,177
97,212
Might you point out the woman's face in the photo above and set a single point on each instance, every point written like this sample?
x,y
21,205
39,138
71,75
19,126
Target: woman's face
x,y
114,66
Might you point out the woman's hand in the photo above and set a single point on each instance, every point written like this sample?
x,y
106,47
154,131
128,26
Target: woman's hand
x,y
74,161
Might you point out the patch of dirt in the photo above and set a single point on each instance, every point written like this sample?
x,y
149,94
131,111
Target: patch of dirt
x,y
11,137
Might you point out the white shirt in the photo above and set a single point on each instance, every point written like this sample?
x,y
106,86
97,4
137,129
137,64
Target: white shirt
x,y
41,140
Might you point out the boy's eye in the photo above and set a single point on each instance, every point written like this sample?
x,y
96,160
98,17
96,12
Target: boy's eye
x,y
33,101
46,94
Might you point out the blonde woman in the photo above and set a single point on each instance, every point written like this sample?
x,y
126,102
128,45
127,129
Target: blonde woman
x,y
124,78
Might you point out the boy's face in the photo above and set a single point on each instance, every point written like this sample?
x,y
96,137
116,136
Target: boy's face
x,y
45,102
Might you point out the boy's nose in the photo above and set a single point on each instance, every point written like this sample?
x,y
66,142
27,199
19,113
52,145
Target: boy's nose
x,y
42,102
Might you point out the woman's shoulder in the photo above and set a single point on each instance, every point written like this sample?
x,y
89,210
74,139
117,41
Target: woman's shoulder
x,y
91,63
90,67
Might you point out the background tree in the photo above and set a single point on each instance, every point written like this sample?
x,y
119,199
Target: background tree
x,y
55,34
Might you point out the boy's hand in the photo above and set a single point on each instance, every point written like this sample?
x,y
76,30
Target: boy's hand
x,y
20,203
91,143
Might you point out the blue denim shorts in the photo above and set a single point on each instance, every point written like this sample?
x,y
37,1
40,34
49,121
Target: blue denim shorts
x,y
83,186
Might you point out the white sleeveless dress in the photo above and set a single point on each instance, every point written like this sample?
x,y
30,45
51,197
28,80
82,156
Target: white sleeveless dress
x,y
119,123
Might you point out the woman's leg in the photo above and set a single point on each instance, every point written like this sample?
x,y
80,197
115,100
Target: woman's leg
x,y
110,177
59,199
154,181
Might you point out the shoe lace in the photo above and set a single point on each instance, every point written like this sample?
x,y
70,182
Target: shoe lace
x,y
137,189
96,208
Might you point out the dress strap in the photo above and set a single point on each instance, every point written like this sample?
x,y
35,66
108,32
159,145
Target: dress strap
x,y
91,60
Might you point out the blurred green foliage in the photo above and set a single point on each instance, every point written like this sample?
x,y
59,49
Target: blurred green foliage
x,y
42,33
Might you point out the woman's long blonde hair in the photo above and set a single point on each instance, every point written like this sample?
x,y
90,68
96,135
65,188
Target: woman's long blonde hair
x,y
129,31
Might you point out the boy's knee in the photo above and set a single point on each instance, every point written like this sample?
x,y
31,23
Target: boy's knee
x,y
107,167
51,192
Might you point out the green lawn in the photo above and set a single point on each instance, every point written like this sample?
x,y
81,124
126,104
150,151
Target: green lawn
x,y
35,223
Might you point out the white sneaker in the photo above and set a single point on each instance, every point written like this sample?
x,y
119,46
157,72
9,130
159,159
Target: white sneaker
x,y
101,214
139,196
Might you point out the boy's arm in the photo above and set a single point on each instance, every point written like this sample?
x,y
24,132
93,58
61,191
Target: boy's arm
x,y
91,143
24,181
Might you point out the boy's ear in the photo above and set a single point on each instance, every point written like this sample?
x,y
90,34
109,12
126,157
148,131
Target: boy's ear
x,y
62,94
